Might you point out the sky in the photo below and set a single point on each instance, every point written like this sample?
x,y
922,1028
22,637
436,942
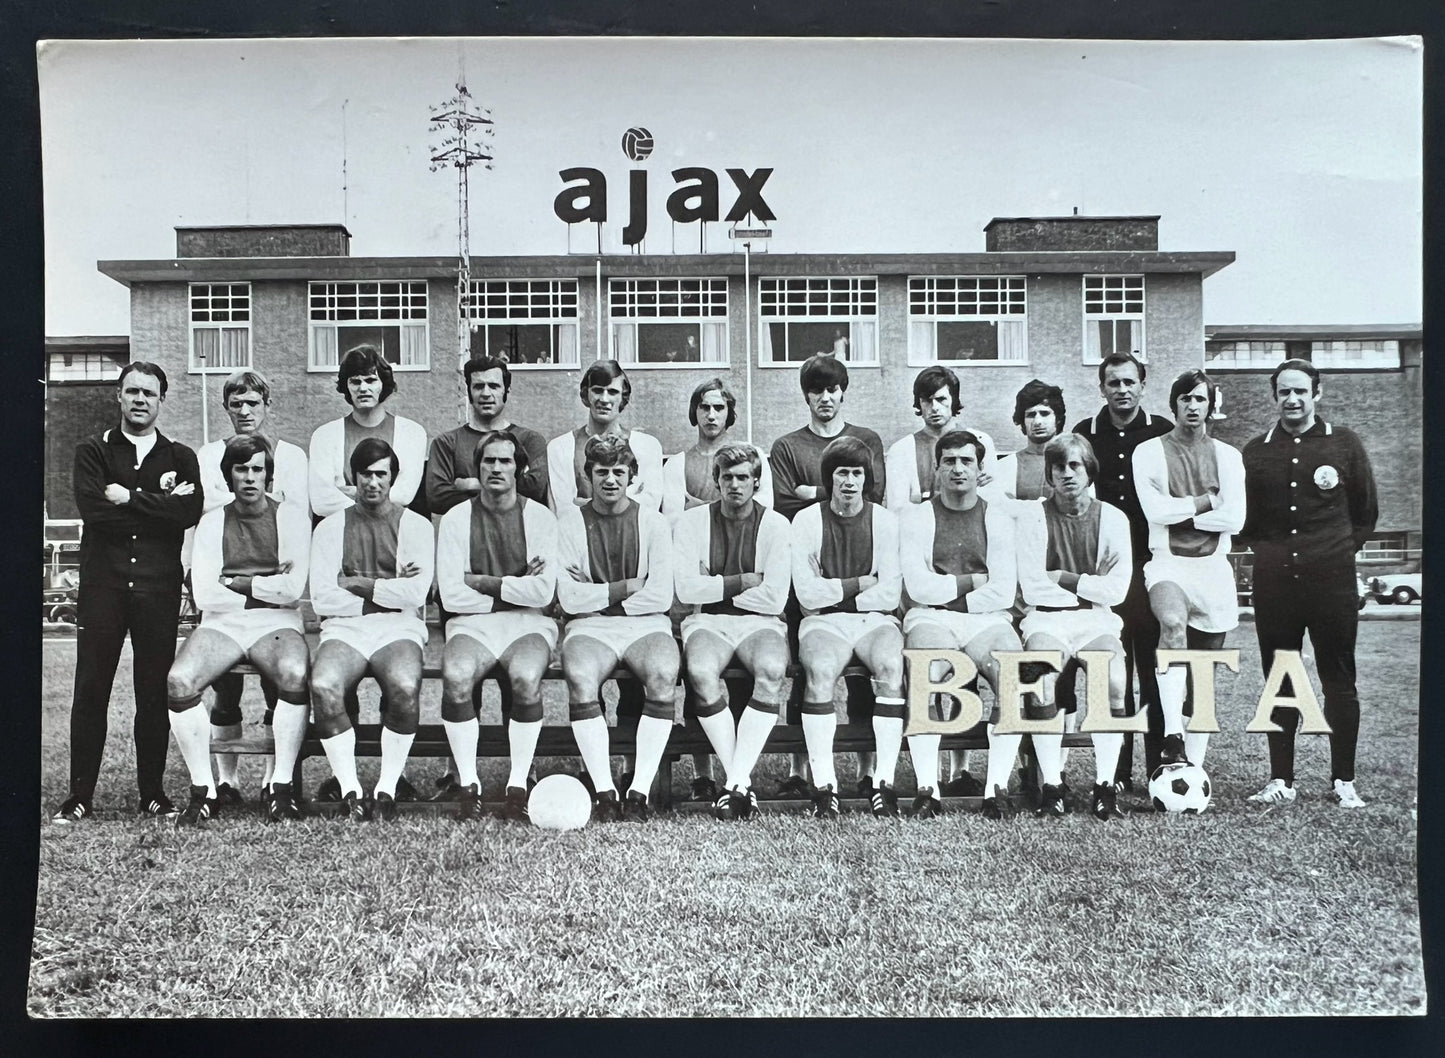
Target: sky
x,y
1304,158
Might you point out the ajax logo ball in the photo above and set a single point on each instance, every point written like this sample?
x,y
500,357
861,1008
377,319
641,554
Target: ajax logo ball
x,y
637,144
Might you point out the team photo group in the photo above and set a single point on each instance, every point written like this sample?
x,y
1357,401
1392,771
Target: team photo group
x,y
737,584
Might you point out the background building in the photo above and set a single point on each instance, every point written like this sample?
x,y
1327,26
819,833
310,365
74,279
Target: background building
x,y
1047,298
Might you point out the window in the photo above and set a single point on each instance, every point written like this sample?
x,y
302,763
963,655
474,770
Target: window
x,y
220,326
659,322
1113,317
83,367
1226,355
390,316
801,317
1368,353
967,319
527,322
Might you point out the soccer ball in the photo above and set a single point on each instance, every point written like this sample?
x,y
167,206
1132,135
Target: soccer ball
x,y
1180,788
637,144
559,802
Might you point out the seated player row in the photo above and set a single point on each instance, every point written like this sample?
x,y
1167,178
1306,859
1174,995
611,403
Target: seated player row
x,y
614,568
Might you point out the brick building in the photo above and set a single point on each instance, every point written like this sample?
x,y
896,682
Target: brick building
x,y
1046,297
1370,382
80,378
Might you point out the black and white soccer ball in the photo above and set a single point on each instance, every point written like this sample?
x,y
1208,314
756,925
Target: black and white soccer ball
x,y
1180,788
637,144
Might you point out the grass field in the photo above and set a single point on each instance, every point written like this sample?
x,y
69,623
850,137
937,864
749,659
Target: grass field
x,y
1299,910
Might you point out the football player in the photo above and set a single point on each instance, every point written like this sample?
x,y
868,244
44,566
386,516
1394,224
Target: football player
x,y
605,391
497,572
689,477
248,570
371,570
957,557
246,396
1118,428
1039,415
689,481
1191,489
617,556
366,381
798,481
845,573
732,565
1073,567
910,460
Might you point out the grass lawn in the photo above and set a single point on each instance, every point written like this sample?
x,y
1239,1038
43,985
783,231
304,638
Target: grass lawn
x,y
1304,909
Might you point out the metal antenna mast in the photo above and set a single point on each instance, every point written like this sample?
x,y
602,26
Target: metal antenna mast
x,y
466,140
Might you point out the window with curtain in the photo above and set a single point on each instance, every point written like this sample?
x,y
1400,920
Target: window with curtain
x,y
527,322
967,319
1113,317
389,315
220,327
669,322
800,317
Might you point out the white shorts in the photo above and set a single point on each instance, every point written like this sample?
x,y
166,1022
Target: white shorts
x,y
732,629
1208,584
1075,629
962,626
498,631
618,634
368,633
849,627
246,627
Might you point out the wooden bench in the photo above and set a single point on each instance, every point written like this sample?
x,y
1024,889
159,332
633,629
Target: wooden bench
x,y
556,740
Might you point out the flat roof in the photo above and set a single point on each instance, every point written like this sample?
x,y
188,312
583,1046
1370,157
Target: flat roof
x,y
1071,217
77,341
1020,262
258,227
1310,331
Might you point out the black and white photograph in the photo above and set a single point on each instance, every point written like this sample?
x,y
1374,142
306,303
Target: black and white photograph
x,y
681,527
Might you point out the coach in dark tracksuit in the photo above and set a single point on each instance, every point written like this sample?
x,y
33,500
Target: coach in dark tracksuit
x,y
138,492
1120,427
1311,505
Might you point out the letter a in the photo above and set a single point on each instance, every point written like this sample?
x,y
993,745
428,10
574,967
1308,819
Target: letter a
x,y
593,191
703,188
1312,720
921,687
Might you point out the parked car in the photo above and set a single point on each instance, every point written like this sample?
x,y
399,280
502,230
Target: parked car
x,y
1399,588
59,605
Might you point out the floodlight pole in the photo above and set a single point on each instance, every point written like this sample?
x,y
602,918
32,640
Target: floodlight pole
x,y
466,140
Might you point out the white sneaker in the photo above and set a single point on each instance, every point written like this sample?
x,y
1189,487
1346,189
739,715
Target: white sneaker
x,y
1345,792
1276,792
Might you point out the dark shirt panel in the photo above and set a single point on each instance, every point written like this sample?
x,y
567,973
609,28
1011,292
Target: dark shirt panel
x,y
135,545
1114,448
1310,500
797,459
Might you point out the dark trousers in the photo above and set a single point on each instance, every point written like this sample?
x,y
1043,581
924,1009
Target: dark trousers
x,y
1323,603
106,615
1140,637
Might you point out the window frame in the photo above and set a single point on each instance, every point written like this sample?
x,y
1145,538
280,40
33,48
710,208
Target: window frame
x,y
312,323
1251,364
556,293
1090,318
713,308
926,286
862,296
220,326
1333,365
